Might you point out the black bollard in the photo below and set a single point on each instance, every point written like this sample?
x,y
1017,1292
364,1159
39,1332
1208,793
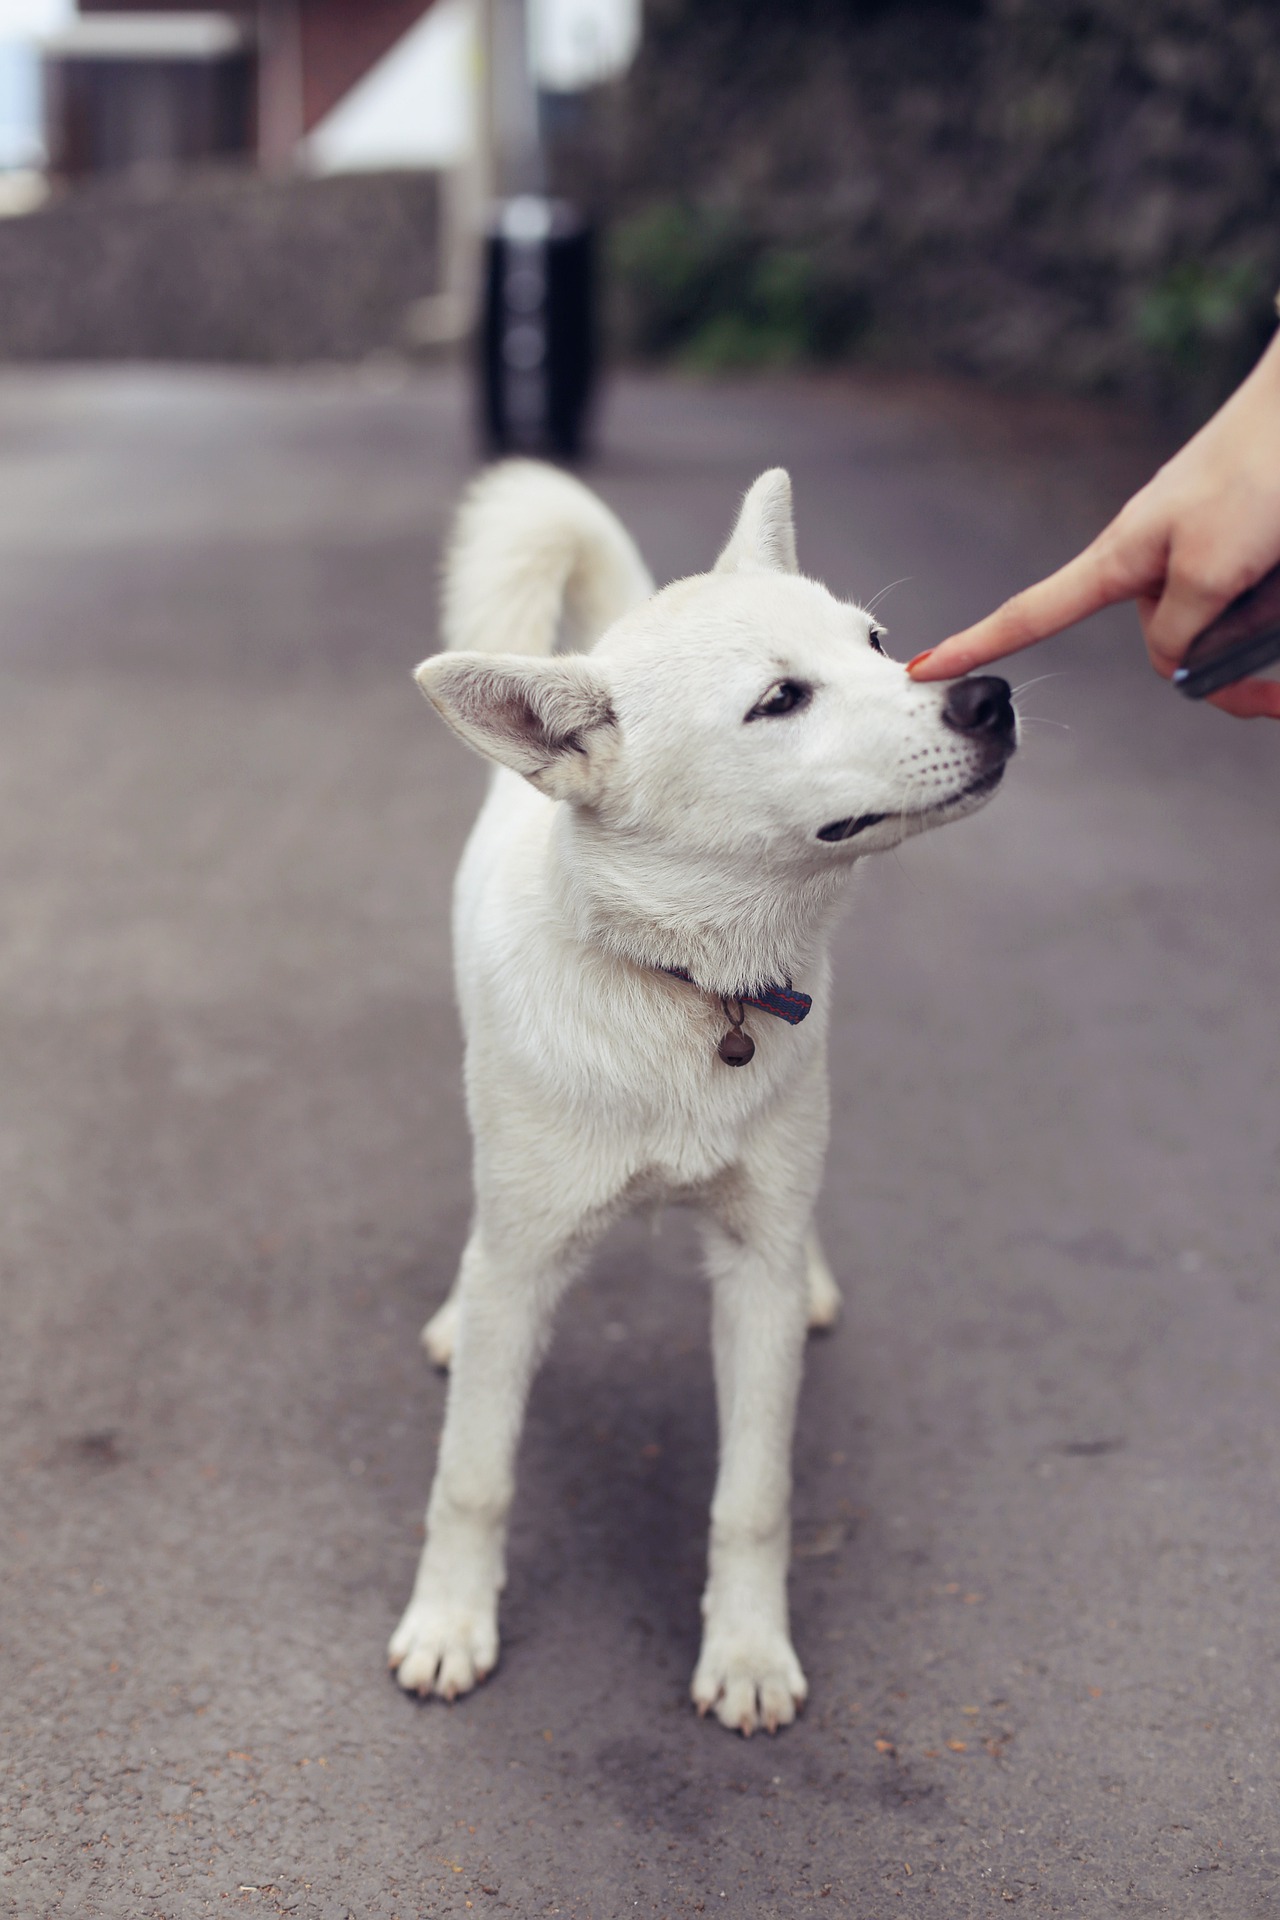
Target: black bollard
x,y
537,333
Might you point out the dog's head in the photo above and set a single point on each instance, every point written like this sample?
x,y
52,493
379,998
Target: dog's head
x,y
742,716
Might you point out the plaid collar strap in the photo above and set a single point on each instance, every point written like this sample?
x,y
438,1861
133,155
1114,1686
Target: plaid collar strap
x,y
782,1001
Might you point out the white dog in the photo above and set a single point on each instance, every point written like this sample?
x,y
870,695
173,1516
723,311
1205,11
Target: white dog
x,y
642,914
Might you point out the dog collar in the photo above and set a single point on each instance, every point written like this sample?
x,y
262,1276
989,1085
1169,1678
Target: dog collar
x,y
736,1047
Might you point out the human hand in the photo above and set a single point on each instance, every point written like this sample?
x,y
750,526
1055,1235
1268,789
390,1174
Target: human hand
x,y
1205,528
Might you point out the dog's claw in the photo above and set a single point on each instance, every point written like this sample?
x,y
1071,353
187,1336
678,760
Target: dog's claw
x,y
750,1684
442,1650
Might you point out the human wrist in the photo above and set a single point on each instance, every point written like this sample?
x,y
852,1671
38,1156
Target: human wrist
x,y
1241,427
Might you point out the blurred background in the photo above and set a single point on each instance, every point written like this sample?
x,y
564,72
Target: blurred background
x,y
1077,196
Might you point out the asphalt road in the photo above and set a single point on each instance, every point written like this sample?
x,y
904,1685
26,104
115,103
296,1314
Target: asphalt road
x,y
1036,1574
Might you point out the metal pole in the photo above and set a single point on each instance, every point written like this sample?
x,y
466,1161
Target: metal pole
x,y
513,101
537,333
485,164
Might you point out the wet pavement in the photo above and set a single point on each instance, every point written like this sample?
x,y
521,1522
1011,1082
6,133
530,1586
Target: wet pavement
x,y
1037,1465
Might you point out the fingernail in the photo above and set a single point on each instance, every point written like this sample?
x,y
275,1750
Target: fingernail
x,y
913,664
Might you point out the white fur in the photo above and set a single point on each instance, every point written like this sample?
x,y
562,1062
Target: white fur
x,y
639,820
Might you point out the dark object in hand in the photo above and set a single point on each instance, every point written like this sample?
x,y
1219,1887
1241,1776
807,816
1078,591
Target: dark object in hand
x,y
1243,639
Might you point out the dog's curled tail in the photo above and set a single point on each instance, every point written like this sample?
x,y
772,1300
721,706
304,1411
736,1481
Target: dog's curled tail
x,y
536,559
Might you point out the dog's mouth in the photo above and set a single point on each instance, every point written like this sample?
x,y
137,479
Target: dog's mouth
x,y
846,829
985,783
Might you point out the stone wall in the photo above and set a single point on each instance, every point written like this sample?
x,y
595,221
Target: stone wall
x,y
218,263
1084,193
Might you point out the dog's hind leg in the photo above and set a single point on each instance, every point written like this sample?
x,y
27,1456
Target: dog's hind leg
x,y
447,1640
440,1334
824,1294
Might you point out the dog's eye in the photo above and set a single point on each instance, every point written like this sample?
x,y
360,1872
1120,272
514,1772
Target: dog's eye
x,y
876,637
784,697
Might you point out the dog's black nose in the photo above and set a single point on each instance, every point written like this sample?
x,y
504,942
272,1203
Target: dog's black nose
x,y
980,705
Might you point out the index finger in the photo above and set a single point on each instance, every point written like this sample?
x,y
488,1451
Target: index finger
x,y
1084,585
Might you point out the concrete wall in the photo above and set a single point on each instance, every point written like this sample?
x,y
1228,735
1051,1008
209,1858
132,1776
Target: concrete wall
x,y
1081,192
219,264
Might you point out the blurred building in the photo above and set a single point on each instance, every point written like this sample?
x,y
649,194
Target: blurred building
x,y
274,180
170,81
175,82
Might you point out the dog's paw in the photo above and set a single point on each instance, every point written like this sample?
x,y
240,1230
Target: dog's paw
x,y
748,1680
824,1294
440,1333
443,1649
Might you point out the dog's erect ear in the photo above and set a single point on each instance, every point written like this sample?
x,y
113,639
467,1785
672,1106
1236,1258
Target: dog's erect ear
x,y
764,539
549,719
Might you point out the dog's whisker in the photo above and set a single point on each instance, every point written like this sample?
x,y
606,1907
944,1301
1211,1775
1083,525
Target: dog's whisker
x,y
1033,682
906,869
876,598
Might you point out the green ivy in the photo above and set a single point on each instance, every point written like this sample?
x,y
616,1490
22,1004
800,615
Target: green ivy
x,y
698,285
1197,312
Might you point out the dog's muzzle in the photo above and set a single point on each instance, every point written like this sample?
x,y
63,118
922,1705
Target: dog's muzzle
x,y
981,709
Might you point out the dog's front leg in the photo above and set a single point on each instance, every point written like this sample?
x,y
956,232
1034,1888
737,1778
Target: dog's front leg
x,y
747,1671
448,1638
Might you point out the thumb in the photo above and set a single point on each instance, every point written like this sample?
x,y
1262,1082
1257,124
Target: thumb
x,y
1184,609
